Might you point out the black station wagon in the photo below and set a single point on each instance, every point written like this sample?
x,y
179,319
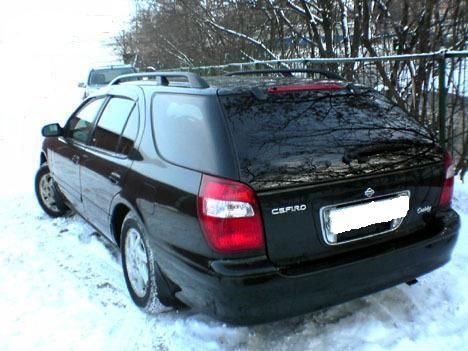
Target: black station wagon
x,y
253,197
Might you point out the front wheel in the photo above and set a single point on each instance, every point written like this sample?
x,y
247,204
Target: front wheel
x,y
48,195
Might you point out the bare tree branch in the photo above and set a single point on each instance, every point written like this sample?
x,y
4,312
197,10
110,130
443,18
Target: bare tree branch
x,y
251,40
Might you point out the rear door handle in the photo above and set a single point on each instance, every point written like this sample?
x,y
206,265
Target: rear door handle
x,y
75,159
114,178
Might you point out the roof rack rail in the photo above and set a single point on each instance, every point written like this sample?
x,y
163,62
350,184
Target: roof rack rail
x,y
194,80
288,72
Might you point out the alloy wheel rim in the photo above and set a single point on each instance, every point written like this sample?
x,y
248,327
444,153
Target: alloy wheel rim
x,y
136,262
47,192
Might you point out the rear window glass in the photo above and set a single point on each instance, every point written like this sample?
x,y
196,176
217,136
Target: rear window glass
x,y
304,129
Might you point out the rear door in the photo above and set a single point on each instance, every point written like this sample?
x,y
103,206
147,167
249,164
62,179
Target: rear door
x,y
311,154
301,235
105,160
67,156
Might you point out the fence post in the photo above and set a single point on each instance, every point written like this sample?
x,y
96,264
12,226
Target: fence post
x,y
442,99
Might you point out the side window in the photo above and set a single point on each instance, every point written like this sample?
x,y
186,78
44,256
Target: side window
x,y
182,131
111,124
80,125
127,140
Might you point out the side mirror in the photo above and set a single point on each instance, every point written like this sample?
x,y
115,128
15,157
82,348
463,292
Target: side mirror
x,y
52,130
81,85
135,155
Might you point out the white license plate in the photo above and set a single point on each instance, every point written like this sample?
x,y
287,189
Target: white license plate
x,y
351,217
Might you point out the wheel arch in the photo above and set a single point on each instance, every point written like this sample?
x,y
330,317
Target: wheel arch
x,y
120,207
43,158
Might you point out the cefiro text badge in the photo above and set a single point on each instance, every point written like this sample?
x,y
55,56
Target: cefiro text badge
x,y
288,209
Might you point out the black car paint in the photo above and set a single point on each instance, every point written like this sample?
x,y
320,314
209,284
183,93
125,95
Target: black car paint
x,y
243,288
250,292
305,226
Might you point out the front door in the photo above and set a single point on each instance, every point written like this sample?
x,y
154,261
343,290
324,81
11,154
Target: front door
x,y
68,155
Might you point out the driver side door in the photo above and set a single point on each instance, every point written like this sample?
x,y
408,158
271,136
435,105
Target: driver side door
x,y
68,155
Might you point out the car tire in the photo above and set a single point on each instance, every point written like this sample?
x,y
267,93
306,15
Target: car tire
x,y
49,197
144,280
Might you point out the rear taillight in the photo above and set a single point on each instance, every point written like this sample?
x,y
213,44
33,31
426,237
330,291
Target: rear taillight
x,y
447,188
304,87
229,216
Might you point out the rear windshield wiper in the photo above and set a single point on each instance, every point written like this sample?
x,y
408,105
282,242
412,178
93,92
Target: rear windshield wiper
x,y
362,152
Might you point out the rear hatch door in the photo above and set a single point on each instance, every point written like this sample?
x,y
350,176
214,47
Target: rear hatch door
x,y
316,156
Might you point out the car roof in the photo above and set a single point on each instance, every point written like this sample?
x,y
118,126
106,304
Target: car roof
x,y
189,82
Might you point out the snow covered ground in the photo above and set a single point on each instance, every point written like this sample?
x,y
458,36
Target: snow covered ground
x,y
62,287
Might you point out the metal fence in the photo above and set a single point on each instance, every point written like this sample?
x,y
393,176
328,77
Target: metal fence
x,y
431,86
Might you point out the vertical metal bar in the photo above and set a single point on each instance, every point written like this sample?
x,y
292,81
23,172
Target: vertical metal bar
x,y
442,100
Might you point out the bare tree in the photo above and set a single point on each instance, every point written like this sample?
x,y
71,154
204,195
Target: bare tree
x,y
175,33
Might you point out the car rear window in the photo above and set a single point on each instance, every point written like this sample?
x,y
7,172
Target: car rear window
x,y
305,130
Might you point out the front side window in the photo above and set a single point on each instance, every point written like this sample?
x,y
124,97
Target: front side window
x,y
112,123
80,125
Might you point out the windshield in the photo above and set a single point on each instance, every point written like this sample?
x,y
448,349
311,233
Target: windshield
x,y
105,76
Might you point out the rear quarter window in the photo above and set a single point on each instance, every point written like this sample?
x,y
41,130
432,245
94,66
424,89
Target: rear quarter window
x,y
189,131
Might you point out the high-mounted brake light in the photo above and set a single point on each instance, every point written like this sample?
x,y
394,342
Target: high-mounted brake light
x,y
447,188
229,216
304,87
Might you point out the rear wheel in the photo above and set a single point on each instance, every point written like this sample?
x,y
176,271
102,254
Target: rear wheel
x,y
47,194
139,265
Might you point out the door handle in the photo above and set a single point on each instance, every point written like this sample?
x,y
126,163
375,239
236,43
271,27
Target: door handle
x,y
75,159
114,178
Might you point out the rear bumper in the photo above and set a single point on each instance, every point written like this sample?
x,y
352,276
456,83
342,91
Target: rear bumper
x,y
253,291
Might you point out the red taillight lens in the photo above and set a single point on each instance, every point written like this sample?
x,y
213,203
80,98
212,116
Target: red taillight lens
x,y
447,188
229,216
304,87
